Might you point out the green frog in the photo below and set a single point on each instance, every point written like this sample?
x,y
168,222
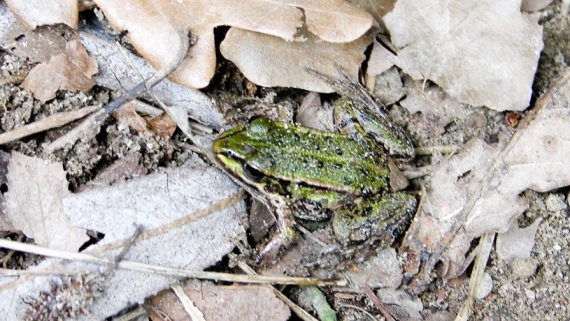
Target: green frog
x,y
312,174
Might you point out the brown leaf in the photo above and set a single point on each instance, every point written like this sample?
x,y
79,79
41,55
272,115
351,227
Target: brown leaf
x,y
128,116
152,27
71,70
270,61
33,13
162,125
34,203
216,302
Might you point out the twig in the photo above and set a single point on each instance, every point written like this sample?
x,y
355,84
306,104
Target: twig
x,y
445,149
350,306
155,269
372,296
53,121
483,252
194,313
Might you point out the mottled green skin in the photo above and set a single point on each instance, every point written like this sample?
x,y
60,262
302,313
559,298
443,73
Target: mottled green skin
x,y
302,172
324,169
301,155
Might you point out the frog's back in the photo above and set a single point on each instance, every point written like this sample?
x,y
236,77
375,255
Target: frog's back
x,y
317,158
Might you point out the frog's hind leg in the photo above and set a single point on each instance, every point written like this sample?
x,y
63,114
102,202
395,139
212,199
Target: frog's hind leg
x,y
282,237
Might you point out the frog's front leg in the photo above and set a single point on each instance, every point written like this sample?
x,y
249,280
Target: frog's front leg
x,y
284,234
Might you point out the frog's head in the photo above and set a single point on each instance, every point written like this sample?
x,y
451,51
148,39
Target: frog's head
x,y
237,150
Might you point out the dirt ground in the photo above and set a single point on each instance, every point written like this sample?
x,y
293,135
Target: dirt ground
x,y
533,289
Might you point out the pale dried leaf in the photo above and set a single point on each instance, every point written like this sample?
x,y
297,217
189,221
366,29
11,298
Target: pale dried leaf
x,y
270,61
156,202
216,302
383,270
33,13
517,242
34,203
152,27
399,303
483,53
534,5
478,190
71,70
5,223
116,73
38,45
434,104
125,167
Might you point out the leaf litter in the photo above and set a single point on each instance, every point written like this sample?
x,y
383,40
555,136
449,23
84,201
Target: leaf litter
x,y
478,190
161,203
468,172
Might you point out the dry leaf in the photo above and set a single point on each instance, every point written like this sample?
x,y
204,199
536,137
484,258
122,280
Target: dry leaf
x,y
534,5
153,25
270,61
38,45
5,223
128,116
483,53
478,190
434,104
34,203
401,304
71,70
162,125
216,302
517,242
33,13
163,204
115,72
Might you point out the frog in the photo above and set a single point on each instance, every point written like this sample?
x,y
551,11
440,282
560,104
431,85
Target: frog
x,y
299,172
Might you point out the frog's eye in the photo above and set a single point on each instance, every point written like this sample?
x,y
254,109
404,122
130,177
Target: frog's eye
x,y
252,174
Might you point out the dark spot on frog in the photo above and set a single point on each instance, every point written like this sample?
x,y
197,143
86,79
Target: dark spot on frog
x,y
338,151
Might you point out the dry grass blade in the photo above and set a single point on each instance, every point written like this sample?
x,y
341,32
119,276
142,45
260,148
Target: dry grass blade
x,y
149,268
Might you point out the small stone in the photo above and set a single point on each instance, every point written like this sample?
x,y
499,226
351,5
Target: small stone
x,y
530,295
524,268
485,287
557,247
555,202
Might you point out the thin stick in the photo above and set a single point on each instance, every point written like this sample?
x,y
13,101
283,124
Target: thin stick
x,y
485,245
155,269
53,121
372,296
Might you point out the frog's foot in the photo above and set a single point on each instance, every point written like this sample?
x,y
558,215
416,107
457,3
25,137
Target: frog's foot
x,y
281,239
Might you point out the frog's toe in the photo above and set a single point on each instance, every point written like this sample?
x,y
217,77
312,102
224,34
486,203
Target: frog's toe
x,y
272,250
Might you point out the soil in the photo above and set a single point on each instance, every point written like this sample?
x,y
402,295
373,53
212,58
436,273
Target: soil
x,y
527,289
